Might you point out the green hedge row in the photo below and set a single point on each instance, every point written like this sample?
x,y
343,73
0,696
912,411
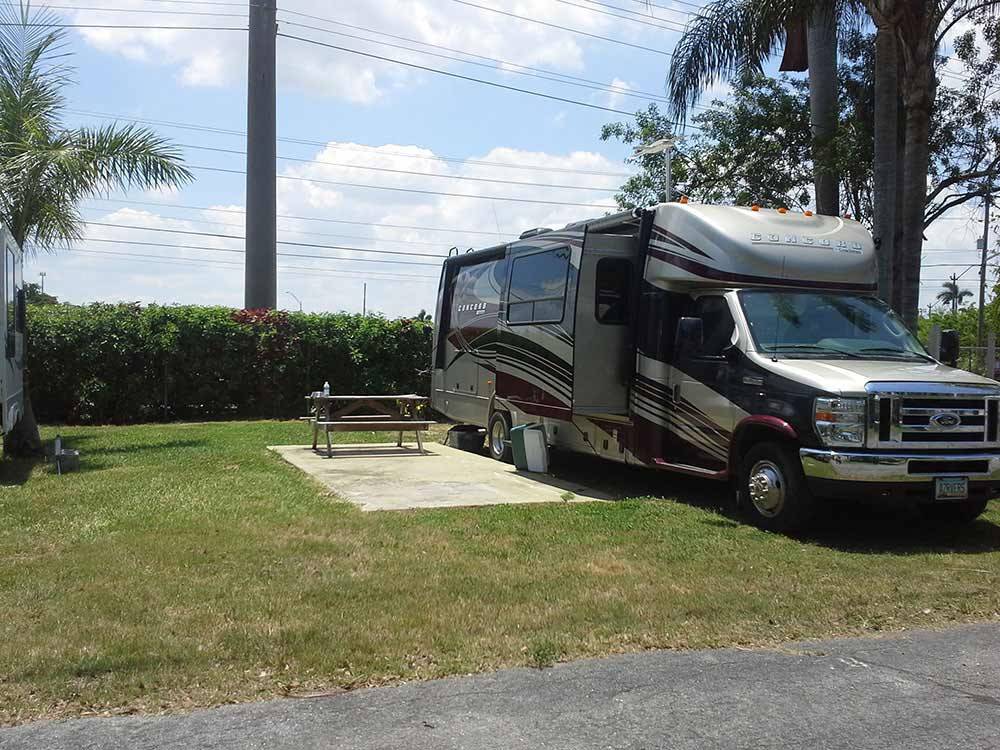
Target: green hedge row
x,y
131,363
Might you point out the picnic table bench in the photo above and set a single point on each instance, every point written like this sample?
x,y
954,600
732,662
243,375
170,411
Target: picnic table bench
x,y
393,413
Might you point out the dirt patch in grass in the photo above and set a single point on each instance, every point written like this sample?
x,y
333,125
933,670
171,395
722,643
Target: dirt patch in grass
x,y
160,578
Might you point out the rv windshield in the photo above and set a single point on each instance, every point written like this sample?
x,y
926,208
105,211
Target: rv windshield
x,y
818,325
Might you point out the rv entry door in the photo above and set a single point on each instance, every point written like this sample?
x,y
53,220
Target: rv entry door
x,y
602,337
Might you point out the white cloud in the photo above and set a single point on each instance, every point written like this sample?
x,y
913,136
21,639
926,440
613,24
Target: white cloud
x,y
218,58
393,288
616,98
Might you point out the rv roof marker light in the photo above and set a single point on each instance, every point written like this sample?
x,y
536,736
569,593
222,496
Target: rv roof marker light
x,y
847,216
782,210
808,213
755,207
684,199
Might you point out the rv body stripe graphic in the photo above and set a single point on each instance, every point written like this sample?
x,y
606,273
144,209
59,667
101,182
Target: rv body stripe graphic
x,y
707,272
540,377
688,421
660,234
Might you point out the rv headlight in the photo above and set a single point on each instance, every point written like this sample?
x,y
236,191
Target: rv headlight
x,y
840,421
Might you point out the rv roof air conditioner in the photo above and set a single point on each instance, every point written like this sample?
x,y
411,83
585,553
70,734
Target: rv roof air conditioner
x,y
534,232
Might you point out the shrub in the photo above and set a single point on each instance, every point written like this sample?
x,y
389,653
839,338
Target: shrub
x,y
132,363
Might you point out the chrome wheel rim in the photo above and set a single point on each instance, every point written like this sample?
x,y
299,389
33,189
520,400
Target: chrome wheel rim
x,y
766,486
498,441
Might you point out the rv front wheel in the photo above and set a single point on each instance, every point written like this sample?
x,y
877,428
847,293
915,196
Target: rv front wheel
x,y
499,437
773,488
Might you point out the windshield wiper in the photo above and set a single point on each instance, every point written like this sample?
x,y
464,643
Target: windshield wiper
x,y
809,347
894,350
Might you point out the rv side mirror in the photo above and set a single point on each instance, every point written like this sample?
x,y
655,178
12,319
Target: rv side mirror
x,y
690,337
949,347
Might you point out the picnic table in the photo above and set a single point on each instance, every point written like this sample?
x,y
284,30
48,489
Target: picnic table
x,y
394,413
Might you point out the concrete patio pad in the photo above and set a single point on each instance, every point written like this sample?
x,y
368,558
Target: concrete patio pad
x,y
381,476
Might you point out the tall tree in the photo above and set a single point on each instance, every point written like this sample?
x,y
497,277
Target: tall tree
x,y
953,295
47,169
733,38
738,35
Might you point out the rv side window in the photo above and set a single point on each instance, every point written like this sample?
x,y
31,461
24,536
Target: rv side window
x,y
612,290
538,287
717,323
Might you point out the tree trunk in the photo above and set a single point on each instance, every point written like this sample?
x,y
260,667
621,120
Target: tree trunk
x,y
918,101
824,108
886,136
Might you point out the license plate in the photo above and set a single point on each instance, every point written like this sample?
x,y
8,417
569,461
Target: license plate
x,y
951,488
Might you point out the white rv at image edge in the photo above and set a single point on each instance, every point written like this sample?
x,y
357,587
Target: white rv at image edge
x,y
12,327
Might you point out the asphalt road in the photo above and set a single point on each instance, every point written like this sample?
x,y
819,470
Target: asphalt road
x,y
917,690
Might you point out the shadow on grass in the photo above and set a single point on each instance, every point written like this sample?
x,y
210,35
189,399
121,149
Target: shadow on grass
x,y
854,527
15,471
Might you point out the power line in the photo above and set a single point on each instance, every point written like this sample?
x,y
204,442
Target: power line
x,y
374,150
280,242
407,171
563,28
120,26
304,218
188,220
675,28
208,263
525,70
685,14
418,191
457,75
237,262
506,63
128,10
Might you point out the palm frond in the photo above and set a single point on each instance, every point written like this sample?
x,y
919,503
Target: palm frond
x,y
730,39
47,170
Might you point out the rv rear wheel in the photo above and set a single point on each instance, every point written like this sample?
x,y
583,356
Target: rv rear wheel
x,y
773,490
499,437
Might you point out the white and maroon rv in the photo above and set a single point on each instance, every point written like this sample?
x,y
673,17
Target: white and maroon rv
x,y
722,342
12,325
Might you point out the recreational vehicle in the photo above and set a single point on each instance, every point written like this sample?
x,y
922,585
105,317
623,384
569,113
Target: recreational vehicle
x,y
740,344
12,324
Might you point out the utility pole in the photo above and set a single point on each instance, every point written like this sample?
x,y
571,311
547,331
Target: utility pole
x,y
41,275
987,205
364,299
261,280
954,300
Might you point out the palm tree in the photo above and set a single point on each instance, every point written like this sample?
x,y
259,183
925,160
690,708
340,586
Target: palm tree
x,y
736,37
46,169
952,295
732,36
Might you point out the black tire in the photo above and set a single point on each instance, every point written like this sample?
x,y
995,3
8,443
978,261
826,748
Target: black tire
x,y
498,437
773,490
963,512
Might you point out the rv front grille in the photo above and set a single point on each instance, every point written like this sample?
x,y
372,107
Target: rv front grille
x,y
934,420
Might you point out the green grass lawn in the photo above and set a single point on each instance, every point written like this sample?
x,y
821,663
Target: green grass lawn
x,y
185,565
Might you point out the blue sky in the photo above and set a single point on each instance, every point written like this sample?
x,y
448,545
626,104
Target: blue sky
x,y
370,114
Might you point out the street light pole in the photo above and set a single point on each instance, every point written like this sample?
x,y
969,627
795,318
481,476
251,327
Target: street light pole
x,y
41,275
664,146
294,297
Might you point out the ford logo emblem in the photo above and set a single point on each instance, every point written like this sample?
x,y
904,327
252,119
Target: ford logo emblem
x,y
946,420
